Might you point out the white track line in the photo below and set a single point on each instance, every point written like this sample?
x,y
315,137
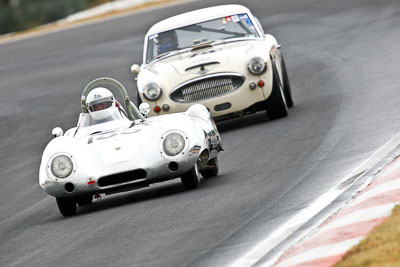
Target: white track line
x,y
275,238
360,216
287,229
357,216
380,189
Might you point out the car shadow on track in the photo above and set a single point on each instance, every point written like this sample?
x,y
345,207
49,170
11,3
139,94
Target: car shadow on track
x,y
242,122
152,193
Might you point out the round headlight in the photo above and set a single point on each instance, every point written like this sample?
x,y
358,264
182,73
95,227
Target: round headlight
x,y
257,65
173,144
61,166
152,91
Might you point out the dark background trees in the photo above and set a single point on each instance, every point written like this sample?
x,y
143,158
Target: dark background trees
x,y
18,15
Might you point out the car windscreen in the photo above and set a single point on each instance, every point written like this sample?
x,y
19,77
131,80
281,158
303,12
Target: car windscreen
x,y
113,115
221,29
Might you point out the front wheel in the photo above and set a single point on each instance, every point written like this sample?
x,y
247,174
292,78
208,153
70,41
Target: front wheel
x,y
67,206
211,168
85,200
276,103
286,85
138,99
191,179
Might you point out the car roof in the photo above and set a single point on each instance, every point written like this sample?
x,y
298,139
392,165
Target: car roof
x,y
196,16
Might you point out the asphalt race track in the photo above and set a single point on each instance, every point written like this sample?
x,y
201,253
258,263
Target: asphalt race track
x,y
343,61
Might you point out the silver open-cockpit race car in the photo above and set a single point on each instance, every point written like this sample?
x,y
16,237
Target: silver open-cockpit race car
x,y
114,150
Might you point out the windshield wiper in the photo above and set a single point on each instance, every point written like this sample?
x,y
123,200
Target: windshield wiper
x,y
202,65
162,55
97,132
171,53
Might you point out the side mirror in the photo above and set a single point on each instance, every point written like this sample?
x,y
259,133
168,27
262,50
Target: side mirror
x,y
144,108
135,69
57,132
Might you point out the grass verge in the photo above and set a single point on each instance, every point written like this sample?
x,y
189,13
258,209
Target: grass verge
x,y
57,25
380,248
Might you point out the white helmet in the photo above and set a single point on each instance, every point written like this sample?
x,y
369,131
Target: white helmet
x,y
100,102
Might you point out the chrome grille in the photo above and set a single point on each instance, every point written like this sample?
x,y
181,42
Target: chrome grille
x,y
207,87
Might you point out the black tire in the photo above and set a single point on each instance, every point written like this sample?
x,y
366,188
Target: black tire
x,y
191,179
276,103
138,99
211,169
85,200
286,85
67,206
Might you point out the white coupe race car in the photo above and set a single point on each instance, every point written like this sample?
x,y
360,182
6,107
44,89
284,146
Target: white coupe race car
x,y
217,56
112,150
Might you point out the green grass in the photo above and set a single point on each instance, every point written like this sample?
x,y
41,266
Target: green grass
x,y
380,248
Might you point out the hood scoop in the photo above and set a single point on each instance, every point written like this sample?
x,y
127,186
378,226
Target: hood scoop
x,y
201,62
202,46
201,65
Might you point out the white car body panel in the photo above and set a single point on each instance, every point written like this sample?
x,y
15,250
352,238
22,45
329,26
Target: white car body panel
x,y
122,148
125,150
232,57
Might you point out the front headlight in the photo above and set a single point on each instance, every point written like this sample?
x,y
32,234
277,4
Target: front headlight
x,y
257,65
152,91
173,144
61,166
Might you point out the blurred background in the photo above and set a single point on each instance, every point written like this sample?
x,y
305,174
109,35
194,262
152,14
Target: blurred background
x,y
18,15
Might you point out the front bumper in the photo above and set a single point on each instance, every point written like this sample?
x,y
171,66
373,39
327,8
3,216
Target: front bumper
x,y
85,184
236,101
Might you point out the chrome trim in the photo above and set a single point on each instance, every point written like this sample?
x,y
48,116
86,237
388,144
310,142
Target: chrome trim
x,y
206,93
202,65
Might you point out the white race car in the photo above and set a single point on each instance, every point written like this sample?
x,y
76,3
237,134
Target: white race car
x,y
112,150
217,56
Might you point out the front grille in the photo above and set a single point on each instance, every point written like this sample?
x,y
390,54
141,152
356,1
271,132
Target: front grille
x,y
121,178
207,87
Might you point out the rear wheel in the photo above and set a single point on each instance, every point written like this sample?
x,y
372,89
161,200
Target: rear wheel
x,y
191,179
67,206
276,103
286,85
138,99
211,168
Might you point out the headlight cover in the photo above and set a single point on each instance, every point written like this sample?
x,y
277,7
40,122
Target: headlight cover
x,y
61,166
152,91
173,144
257,65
